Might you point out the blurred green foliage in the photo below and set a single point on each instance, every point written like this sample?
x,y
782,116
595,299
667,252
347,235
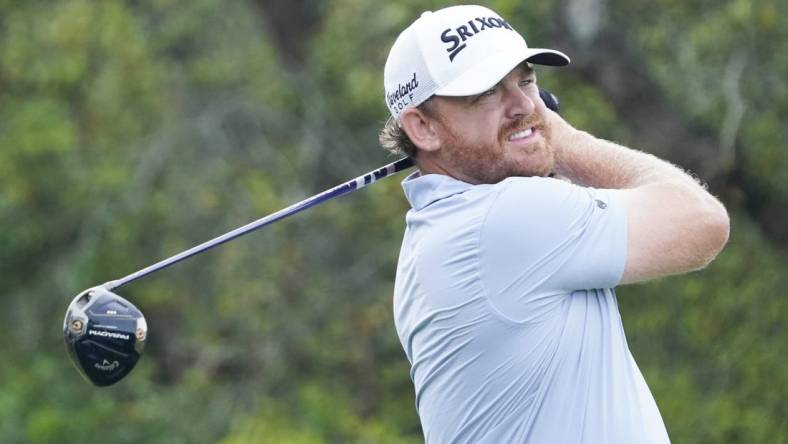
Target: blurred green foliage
x,y
130,131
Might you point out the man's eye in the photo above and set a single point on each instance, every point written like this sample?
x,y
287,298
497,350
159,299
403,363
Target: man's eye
x,y
526,82
489,92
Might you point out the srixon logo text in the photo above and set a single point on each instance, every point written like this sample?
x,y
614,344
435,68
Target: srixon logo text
x,y
457,36
403,95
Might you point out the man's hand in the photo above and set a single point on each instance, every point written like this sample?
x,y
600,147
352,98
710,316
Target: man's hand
x,y
561,134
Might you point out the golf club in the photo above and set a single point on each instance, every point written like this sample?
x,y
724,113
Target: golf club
x,y
105,334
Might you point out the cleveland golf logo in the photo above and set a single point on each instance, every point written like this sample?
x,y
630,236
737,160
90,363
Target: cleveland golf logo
x,y
403,94
457,36
108,334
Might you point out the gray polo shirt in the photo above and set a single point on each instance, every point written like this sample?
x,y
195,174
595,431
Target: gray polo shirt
x,y
504,305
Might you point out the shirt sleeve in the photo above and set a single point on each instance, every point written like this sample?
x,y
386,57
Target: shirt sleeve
x,y
544,238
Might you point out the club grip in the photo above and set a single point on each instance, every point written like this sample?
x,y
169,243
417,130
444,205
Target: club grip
x,y
550,100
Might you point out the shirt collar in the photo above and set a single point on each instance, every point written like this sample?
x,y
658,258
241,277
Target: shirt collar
x,y
422,190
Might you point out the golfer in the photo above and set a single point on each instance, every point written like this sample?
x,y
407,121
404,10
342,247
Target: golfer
x,y
504,300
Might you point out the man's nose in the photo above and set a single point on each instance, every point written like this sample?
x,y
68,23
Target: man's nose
x,y
518,103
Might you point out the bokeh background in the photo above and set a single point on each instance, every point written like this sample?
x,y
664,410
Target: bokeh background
x,y
131,130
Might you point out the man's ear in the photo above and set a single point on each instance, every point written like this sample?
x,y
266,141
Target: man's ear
x,y
420,127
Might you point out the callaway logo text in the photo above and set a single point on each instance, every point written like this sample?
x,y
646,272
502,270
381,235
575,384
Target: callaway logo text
x,y
107,366
457,36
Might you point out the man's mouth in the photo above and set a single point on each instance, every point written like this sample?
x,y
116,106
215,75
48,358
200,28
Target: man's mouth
x,y
522,134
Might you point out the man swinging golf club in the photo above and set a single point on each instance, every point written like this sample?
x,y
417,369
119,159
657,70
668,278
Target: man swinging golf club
x,y
504,300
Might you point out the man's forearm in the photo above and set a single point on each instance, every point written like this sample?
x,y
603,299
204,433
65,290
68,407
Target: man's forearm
x,y
603,164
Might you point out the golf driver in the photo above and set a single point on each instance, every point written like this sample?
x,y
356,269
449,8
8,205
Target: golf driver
x,y
105,334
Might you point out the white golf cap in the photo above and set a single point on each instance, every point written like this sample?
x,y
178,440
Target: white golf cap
x,y
456,51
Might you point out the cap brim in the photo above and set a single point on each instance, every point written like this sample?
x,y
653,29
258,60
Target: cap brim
x,y
549,57
486,73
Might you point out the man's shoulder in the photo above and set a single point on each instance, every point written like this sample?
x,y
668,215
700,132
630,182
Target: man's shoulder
x,y
535,182
540,201
538,191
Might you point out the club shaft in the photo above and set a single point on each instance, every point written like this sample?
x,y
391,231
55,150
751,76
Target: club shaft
x,y
339,190
352,185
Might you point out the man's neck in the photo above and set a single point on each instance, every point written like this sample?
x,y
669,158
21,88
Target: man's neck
x,y
429,165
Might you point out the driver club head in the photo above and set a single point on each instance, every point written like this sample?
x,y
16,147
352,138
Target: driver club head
x,y
104,335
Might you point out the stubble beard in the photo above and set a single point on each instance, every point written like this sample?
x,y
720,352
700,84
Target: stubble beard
x,y
490,163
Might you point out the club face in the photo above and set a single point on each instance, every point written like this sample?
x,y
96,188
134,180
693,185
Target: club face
x,y
104,335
